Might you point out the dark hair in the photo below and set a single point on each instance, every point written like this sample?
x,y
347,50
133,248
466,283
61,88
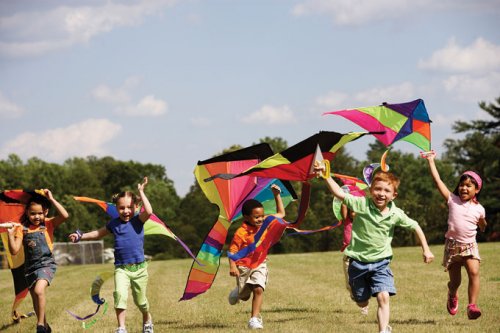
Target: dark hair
x,y
462,179
36,199
124,194
249,206
387,177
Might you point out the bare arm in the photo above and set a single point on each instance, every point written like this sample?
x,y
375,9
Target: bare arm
x,y
435,175
233,269
62,213
427,254
91,235
14,242
280,208
148,210
482,224
334,188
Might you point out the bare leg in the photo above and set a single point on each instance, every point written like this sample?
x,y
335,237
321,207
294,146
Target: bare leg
x,y
472,267
120,316
258,297
383,311
38,296
454,271
146,317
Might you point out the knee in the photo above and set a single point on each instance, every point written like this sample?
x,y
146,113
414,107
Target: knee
x,y
383,298
258,291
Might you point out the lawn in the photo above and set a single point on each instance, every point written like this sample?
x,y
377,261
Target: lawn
x,y
305,293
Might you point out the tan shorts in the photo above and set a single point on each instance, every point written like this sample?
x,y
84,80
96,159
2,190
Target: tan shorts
x,y
249,278
455,252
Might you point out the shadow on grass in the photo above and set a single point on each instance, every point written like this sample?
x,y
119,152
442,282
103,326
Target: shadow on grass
x,y
175,325
413,321
7,326
284,310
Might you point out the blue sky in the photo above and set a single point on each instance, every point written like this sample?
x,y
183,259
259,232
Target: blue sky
x,y
173,82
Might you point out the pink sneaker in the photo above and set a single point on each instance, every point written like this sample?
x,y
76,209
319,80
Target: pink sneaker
x,y
473,311
452,304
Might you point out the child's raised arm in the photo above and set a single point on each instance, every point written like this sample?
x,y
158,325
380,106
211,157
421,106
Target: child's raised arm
x,y
430,156
334,188
15,243
62,213
280,208
148,209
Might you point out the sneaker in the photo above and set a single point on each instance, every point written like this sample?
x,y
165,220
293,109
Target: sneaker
x,y
148,327
121,330
233,296
473,311
452,304
364,310
48,329
40,329
255,323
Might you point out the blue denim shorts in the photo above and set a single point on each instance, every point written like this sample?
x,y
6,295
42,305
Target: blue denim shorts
x,y
43,273
368,279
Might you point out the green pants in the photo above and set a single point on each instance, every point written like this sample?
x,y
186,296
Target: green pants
x,y
137,280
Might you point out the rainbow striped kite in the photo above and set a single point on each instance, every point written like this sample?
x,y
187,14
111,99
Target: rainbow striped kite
x,y
229,196
404,121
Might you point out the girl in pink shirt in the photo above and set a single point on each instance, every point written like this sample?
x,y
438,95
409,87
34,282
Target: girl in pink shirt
x,y
465,215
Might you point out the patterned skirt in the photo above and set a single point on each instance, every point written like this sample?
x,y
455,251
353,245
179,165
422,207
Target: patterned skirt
x,y
455,252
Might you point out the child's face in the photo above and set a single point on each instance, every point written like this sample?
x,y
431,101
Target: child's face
x,y
35,213
467,190
126,208
257,216
382,193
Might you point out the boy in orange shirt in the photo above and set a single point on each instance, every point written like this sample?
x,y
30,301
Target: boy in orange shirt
x,y
251,280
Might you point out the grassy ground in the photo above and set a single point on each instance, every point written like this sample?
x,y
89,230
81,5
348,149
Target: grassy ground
x,y
306,293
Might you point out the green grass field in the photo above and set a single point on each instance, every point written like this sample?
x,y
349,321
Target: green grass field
x,y
305,293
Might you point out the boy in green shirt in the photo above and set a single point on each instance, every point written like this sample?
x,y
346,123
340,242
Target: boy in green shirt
x,y
370,251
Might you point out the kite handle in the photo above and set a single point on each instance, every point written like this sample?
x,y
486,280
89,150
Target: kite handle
x,y
326,173
424,154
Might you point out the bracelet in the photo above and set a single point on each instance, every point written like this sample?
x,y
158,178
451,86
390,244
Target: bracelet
x,y
79,235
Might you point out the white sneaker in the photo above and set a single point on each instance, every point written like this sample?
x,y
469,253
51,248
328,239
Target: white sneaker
x,y
121,330
388,329
148,327
255,323
364,310
233,296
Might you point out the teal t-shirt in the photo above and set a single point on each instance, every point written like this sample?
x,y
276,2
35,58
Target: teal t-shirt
x,y
372,232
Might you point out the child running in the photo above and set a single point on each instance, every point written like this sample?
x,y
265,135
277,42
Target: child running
x,y
369,250
251,280
36,235
464,216
130,265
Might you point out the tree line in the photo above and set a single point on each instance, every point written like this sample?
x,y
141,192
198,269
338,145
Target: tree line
x,y
191,217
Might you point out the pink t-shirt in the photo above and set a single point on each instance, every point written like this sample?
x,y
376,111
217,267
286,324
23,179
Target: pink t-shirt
x,y
462,219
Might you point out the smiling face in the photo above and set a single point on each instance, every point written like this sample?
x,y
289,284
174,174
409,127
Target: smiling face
x,y
256,218
467,190
126,208
36,213
382,192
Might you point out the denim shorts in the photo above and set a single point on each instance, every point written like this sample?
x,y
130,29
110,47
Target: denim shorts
x,y
368,279
43,273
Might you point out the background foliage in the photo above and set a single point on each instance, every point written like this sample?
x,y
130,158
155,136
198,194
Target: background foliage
x,y
192,216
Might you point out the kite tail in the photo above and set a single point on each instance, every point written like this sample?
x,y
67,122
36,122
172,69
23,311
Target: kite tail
x,y
204,269
304,203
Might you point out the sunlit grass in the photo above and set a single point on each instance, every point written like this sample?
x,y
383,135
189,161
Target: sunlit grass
x,y
306,293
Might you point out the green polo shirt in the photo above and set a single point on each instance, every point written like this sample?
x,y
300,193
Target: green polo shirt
x,y
372,232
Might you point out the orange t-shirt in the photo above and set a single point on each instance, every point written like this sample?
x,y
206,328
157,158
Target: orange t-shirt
x,y
49,232
243,237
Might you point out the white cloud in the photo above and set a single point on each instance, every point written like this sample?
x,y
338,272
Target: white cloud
x,y
65,26
468,88
270,115
148,106
362,12
446,120
481,56
332,99
81,139
9,109
121,99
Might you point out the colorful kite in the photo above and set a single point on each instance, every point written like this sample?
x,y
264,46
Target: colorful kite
x,y
229,197
404,121
12,206
153,226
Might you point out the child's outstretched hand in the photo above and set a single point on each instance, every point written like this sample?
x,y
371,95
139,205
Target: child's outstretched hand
x,y
428,155
13,228
141,186
48,194
319,168
428,257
